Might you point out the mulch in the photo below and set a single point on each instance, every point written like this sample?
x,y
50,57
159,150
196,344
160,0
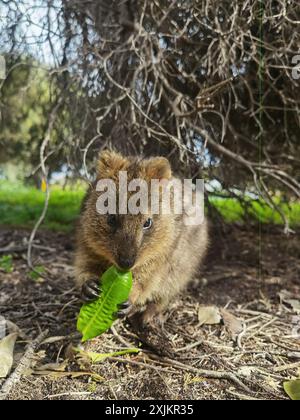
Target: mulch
x,y
248,272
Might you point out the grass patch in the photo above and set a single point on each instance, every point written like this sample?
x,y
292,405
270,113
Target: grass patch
x,y
21,206
6,264
232,211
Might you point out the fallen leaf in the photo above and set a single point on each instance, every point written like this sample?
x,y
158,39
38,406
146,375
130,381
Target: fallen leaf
x,y
14,329
295,304
196,380
246,371
292,388
232,323
209,315
100,357
44,185
52,340
7,346
273,384
2,327
7,327
56,367
289,299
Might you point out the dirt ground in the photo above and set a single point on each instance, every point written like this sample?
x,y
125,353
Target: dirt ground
x,y
245,272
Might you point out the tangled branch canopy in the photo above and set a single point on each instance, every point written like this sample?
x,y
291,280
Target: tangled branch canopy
x,y
210,84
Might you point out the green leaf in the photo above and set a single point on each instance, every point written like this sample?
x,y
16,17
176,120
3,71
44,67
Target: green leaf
x,y
37,272
7,346
100,357
292,388
97,317
6,264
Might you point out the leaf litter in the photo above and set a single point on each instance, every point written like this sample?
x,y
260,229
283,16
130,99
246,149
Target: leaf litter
x,y
7,345
257,338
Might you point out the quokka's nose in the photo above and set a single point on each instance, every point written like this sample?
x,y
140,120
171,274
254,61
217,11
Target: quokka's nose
x,y
126,263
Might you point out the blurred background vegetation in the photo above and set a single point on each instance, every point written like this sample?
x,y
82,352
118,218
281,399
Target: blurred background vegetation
x,y
21,206
210,86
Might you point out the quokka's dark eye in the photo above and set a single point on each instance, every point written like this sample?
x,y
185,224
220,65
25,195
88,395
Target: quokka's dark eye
x,y
148,224
112,220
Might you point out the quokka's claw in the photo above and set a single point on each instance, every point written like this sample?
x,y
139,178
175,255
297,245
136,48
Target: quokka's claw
x,y
90,291
124,310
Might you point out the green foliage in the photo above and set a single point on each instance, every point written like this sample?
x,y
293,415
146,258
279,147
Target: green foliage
x,y
292,388
25,100
101,357
6,264
22,206
37,273
97,317
232,211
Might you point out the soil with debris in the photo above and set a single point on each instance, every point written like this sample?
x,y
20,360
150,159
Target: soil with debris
x,y
250,283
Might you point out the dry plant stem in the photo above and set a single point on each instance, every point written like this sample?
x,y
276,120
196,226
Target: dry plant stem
x,y
20,249
243,397
68,394
177,365
255,168
120,338
205,373
23,365
36,228
44,145
190,346
139,364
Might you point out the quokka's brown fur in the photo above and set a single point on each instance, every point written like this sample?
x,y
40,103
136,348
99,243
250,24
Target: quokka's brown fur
x,y
166,257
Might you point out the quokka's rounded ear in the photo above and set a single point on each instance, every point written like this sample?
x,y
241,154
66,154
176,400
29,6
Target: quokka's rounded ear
x,y
110,163
158,168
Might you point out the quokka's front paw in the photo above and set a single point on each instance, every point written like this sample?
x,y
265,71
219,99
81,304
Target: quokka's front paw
x,y
153,315
124,310
90,291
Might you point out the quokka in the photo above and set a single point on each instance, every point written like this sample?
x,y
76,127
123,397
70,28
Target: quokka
x,y
161,250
